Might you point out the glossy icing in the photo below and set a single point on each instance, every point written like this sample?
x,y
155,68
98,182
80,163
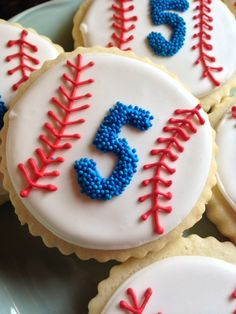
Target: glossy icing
x,y
45,51
183,284
73,216
124,22
225,138
222,35
37,47
177,131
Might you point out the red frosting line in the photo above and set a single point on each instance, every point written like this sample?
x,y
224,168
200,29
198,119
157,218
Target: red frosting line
x,y
24,57
233,111
180,129
122,24
204,27
233,297
134,306
34,170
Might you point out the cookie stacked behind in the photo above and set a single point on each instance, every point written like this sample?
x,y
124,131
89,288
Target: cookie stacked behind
x,y
119,159
189,276
222,207
22,52
193,39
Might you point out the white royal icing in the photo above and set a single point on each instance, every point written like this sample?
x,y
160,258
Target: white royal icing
x,y
46,51
182,63
181,285
226,136
111,224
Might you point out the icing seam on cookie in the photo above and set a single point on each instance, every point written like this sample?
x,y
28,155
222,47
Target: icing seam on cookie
x,y
134,307
204,27
32,171
180,129
121,24
233,111
25,48
233,297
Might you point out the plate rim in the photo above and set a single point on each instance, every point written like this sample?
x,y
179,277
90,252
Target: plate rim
x,y
48,3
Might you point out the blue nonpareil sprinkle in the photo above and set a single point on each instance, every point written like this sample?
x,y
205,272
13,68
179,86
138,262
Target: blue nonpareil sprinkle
x,y
157,42
106,140
3,110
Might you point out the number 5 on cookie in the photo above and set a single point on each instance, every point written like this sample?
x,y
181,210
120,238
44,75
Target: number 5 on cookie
x,y
158,43
106,140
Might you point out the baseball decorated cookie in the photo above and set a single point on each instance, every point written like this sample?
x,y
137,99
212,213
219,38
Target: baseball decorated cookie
x,y
107,156
22,51
189,276
191,38
222,207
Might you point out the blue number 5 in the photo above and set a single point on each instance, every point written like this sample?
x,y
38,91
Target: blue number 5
x,y
157,42
106,140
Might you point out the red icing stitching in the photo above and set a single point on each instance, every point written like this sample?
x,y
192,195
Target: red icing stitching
x,y
180,129
23,56
233,297
204,25
33,171
120,24
135,308
233,111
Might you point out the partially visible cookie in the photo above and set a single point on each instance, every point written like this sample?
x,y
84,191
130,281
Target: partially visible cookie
x,y
222,207
191,275
192,38
107,156
22,51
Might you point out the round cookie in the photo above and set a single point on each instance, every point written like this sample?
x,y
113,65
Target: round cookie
x,y
22,51
191,275
222,207
104,171
193,39
231,4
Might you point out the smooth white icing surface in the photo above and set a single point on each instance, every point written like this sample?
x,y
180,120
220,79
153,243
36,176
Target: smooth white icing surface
x,y
182,285
46,51
223,39
111,224
226,139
